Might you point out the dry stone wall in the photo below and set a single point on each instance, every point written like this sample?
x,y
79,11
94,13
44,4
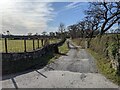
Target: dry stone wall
x,y
16,62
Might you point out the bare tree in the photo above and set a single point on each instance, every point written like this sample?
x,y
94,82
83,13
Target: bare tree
x,y
81,26
91,24
61,30
106,12
73,30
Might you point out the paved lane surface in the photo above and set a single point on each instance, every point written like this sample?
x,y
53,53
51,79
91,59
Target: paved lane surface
x,y
77,69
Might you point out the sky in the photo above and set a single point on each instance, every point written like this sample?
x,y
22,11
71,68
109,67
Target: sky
x,y
31,16
21,17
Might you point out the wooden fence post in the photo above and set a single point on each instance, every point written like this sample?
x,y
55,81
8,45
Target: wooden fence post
x,y
33,44
24,45
6,50
38,42
42,42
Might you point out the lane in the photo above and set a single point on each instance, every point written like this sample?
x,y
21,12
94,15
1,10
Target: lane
x,y
75,61
59,79
77,69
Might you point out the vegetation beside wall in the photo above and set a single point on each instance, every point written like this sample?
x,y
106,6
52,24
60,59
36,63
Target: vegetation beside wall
x,y
106,52
79,42
104,67
105,45
62,49
108,47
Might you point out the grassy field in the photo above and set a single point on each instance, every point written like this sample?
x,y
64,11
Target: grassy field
x,y
18,45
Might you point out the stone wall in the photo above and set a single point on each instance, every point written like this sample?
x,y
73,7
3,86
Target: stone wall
x,y
16,62
115,61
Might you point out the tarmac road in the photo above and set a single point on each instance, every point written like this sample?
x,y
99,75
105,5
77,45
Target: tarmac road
x,y
77,69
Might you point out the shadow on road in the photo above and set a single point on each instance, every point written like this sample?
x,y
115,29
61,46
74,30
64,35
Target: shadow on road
x,y
35,67
71,45
41,74
40,63
14,83
62,54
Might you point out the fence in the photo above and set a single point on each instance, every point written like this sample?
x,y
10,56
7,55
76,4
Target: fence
x,y
24,43
18,62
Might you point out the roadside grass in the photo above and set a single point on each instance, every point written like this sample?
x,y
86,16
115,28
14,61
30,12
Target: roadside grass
x,y
79,42
62,49
104,67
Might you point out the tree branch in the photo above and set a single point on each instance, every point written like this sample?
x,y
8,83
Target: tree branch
x,y
112,24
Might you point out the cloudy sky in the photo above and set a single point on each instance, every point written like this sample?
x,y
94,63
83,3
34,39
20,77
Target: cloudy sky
x,y
25,16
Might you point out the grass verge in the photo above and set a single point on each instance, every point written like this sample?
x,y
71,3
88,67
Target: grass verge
x,y
62,49
104,67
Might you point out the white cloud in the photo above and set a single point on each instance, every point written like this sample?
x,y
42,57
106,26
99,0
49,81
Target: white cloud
x,y
73,5
24,17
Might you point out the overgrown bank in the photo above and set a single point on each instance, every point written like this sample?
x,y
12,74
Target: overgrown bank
x,y
104,67
106,53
